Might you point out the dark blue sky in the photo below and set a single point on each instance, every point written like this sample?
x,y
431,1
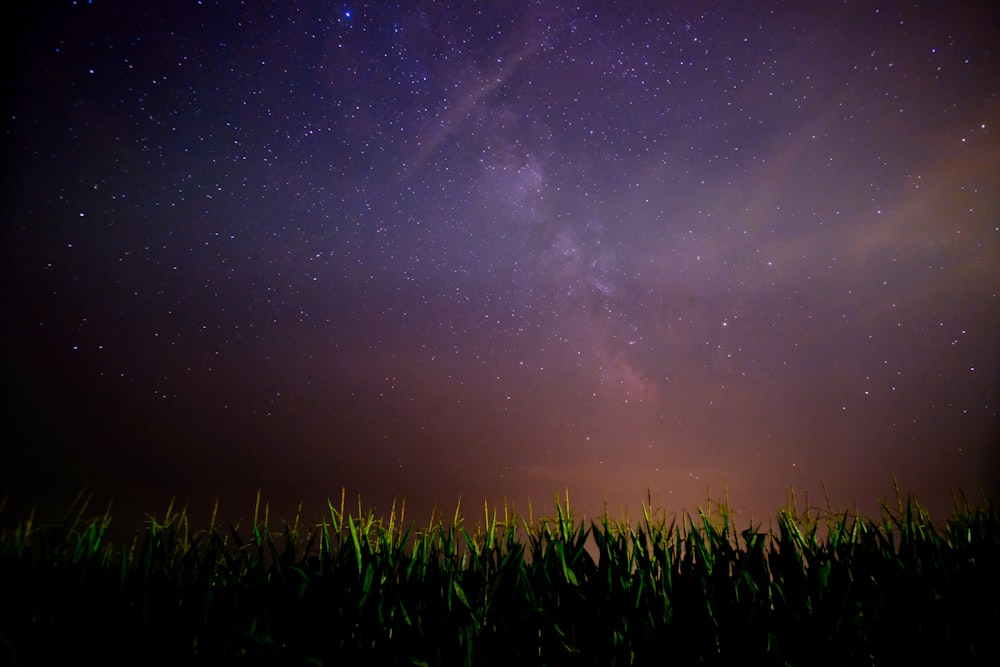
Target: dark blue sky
x,y
431,250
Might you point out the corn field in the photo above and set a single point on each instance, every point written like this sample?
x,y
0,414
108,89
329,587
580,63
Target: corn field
x,y
817,589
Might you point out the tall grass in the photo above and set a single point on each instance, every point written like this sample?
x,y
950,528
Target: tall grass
x,y
833,588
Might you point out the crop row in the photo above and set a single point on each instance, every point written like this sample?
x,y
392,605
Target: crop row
x,y
833,589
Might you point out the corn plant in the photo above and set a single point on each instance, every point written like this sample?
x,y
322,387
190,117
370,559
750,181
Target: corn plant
x,y
817,588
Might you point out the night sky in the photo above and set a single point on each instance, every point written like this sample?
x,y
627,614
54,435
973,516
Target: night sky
x,y
431,250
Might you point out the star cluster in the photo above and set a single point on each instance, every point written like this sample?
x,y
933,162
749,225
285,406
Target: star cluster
x,y
431,250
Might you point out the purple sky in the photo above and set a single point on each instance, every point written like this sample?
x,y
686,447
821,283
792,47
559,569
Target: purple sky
x,y
502,249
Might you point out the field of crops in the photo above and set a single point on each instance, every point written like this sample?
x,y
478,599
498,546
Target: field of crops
x,y
817,588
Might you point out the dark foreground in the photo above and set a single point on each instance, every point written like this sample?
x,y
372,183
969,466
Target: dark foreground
x,y
833,589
